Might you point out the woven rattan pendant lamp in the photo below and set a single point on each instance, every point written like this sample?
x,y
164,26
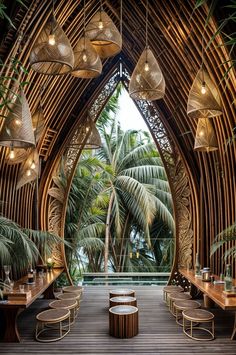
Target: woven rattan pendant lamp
x,y
17,130
104,35
29,170
52,53
87,132
205,140
87,62
147,81
204,99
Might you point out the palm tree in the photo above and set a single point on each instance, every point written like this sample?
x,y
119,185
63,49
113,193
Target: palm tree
x,y
20,247
137,187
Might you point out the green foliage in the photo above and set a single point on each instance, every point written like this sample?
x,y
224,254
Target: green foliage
x,y
224,238
3,12
11,85
20,247
123,185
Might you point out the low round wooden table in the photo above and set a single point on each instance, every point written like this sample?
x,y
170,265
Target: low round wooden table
x,y
123,321
123,300
122,292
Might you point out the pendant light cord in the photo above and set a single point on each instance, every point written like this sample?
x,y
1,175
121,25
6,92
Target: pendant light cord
x,y
84,18
146,34
121,17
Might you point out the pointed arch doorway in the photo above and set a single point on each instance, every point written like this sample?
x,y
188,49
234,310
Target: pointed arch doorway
x,y
180,181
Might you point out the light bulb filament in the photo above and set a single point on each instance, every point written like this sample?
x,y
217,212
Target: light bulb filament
x,y
51,39
12,153
84,57
100,25
28,172
203,88
146,66
18,122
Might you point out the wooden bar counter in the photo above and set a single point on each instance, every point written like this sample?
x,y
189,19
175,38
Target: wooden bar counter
x,y
12,308
123,321
214,292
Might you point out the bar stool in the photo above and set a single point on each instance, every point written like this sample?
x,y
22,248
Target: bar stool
x,y
71,305
177,296
70,297
184,305
198,316
73,289
46,321
170,289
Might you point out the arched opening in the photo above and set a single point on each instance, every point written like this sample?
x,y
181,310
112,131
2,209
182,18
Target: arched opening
x,y
120,211
174,166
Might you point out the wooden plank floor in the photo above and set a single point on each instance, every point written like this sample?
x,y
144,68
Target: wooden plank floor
x,y
158,333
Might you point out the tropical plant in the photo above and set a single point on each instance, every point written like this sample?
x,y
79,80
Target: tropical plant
x,y
137,191
119,198
20,247
225,237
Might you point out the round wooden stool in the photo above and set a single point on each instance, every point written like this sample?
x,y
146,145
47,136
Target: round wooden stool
x,y
66,304
46,319
123,300
177,296
184,305
73,289
170,289
123,321
70,297
198,316
122,292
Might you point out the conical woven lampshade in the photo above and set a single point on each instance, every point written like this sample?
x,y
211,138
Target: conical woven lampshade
x,y
29,170
205,140
93,140
147,81
87,61
104,35
55,58
17,130
203,104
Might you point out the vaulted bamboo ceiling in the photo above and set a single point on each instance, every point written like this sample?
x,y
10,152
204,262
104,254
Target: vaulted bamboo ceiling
x,y
176,38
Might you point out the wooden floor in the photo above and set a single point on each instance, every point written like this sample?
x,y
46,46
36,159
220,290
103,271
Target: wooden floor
x,y
158,332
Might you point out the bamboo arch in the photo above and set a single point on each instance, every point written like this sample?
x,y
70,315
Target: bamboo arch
x,y
177,42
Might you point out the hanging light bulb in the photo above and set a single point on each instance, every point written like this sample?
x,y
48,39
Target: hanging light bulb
x,y
52,39
146,66
131,255
33,165
84,57
100,24
28,172
18,122
12,153
203,88
137,254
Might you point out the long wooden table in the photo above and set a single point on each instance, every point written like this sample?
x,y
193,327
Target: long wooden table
x,y
12,309
214,292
